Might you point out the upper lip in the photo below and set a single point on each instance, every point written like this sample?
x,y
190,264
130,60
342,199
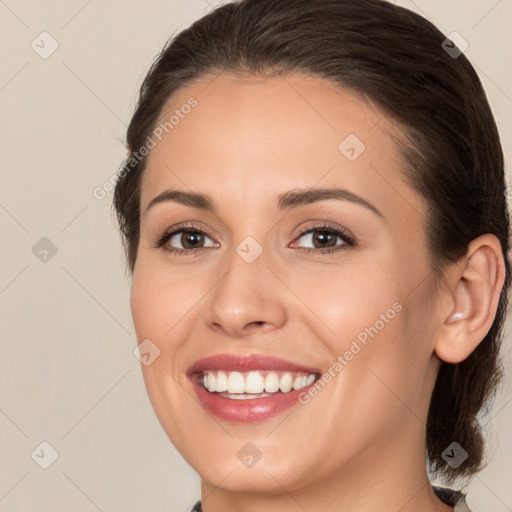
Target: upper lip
x,y
251,362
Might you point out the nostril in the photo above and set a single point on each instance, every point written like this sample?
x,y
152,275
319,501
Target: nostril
x,y
254,325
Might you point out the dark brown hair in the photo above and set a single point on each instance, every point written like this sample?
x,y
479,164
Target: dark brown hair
x,y
396,59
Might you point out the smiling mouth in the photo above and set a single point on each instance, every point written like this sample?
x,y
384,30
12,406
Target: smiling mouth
x,y
253,384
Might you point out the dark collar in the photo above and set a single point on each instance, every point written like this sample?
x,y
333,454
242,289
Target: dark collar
x,y
449,496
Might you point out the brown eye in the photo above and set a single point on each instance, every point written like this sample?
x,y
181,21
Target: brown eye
x,y
191,239
326,238
323,239
188,239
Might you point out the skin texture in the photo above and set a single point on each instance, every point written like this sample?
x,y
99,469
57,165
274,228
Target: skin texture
x,y
359,444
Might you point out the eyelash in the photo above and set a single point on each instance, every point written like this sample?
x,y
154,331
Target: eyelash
x,y
348,239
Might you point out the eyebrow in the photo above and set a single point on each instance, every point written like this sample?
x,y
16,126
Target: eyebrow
x,y
286,200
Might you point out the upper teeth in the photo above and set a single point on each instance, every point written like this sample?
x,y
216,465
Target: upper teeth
x,y
255,381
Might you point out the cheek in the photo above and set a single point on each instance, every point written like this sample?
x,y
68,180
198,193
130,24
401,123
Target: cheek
x,y
370,322
159,314
159,299
143,303
347,302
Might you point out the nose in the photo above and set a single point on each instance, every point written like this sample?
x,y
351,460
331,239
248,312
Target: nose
x,y
247,298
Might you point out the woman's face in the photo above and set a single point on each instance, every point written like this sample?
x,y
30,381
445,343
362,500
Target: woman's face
x,y
261,276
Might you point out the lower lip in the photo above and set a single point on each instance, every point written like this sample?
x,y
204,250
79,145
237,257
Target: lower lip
x,y
251,410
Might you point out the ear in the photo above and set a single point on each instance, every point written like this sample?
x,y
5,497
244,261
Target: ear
x,y
475,286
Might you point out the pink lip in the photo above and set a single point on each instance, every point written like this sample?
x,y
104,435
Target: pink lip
x,y
251,410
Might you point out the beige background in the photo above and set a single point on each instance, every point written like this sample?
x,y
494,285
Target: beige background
x,y
68,375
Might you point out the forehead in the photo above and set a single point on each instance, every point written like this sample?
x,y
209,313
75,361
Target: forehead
x,y
249,137
273,110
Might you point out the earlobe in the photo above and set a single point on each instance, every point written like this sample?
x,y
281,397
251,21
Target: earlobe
x,y
475,288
